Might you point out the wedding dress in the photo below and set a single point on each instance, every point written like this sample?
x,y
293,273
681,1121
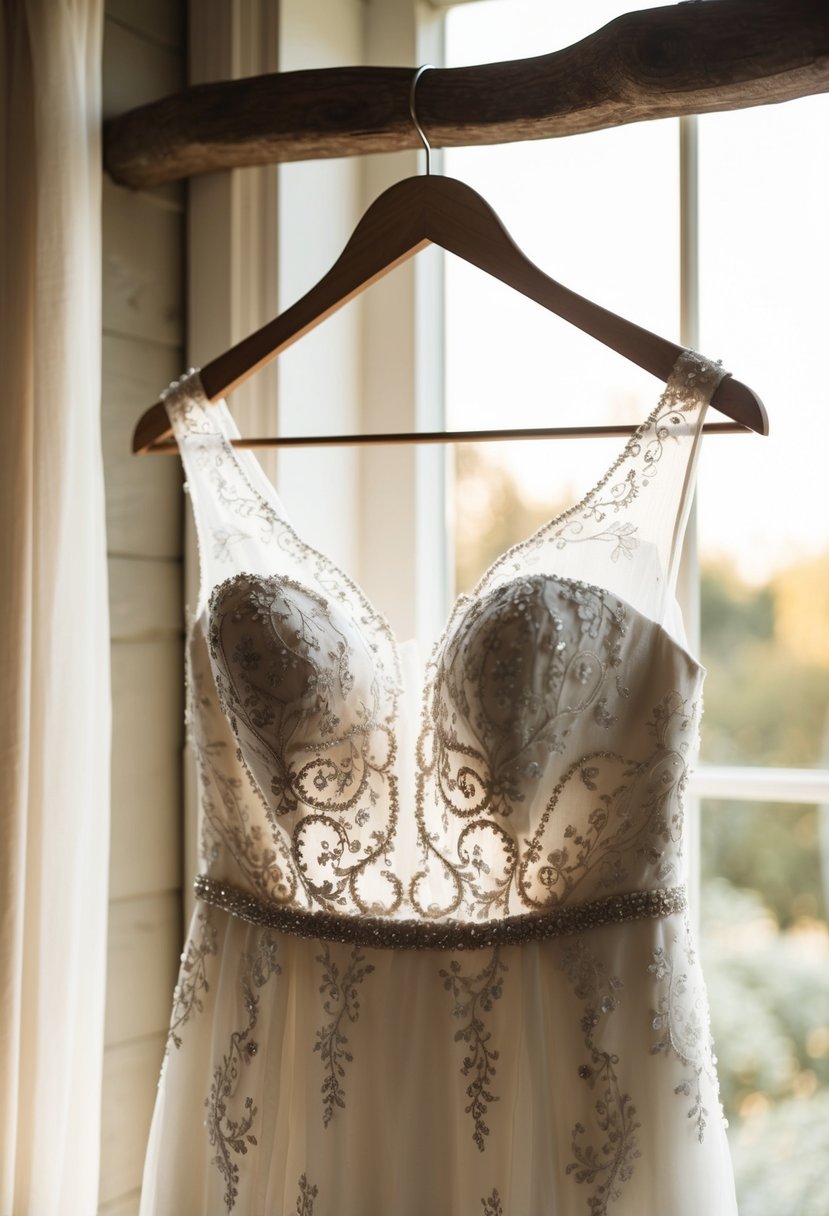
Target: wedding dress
x,y
440,963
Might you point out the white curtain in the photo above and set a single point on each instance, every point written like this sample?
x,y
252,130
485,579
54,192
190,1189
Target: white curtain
x,y
54,650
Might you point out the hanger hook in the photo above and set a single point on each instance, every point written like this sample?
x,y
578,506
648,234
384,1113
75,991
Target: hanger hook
x,y
425,67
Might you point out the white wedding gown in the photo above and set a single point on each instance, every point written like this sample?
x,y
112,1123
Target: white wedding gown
x,y
440,963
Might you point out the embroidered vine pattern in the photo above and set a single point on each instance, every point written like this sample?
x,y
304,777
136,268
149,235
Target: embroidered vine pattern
x,y
205,444
692,384
348,768
311,733
639,811
524,664
224,806
681,1022
341,1003
306,1197
673,726
474,997
605,1155
230,1129
516,679
493,1206
198,704
193,984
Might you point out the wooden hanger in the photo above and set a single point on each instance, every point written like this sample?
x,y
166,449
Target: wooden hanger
x,y
407,217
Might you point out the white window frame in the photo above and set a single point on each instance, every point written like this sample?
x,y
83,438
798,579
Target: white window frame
x,y
727,783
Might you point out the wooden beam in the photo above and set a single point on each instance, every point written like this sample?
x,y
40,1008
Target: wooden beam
x,y
691,58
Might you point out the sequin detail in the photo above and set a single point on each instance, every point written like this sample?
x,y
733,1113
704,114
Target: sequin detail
x,y
682,1025
229,1128
451,935
693,381
341,1003
474,996
604,1155
305,1199
193,983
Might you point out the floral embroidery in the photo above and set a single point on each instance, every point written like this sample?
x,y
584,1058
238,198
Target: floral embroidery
x,y
474,996
193,982
492,1206
611,1163
225,814
505,697
305,1200
340,1002
681,1020
639,811
524,663
692,383
228,1131
313,734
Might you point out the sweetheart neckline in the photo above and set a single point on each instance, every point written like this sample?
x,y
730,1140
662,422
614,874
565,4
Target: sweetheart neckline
x,y
206,613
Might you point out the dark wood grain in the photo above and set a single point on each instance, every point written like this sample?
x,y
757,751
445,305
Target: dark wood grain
x,y
690,58
439,210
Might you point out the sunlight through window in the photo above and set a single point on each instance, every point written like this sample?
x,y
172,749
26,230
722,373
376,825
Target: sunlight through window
x,y
600,213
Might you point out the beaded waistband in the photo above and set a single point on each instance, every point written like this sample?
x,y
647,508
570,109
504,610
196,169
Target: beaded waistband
x,y
385,933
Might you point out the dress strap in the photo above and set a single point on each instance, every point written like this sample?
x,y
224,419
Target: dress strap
x,y
625,535
242,526
237,517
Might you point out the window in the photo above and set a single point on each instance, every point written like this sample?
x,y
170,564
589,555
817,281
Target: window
x,y
602,213
764,559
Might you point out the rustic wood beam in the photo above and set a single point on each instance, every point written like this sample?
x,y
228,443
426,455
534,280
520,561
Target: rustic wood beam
x,y
688,58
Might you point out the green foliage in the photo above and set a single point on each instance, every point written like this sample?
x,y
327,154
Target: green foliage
x,y
490,514
762,706
769,994
733,615
780,1159
765,942
766,847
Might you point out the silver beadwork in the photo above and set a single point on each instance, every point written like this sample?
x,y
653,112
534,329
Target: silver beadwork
x,y
388,934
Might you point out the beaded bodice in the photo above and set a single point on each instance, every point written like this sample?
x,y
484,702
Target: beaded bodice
x,y
540,766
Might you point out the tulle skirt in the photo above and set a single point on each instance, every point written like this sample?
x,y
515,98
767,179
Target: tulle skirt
x,y
570,1077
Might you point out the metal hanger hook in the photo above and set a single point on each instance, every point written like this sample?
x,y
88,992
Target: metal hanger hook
x,y
425,67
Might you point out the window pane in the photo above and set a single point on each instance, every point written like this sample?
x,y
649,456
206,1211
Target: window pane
x,y
598,213
763,519
765,947
766,648
601,214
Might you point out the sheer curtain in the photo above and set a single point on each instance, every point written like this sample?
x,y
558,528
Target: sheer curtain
x,y
54,648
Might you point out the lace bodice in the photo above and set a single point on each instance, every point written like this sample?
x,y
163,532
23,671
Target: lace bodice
x,y
537,774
